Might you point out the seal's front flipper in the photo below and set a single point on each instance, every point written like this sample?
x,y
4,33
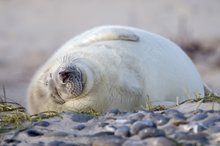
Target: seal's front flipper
x,y
109,34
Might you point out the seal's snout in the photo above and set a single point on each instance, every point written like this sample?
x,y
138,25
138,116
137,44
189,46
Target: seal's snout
x,y
70,78
68,74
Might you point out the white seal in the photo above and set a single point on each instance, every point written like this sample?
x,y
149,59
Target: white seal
x,y
114,67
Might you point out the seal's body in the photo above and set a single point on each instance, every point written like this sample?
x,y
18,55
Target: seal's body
x,y
114,67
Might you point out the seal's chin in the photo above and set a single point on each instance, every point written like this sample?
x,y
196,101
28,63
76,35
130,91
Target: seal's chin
x,y
57,98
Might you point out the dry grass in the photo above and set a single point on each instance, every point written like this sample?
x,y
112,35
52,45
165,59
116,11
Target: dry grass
x,y
13,115
213,98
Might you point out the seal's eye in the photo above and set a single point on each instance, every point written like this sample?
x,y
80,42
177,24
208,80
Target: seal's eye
x,y
46,83
48,79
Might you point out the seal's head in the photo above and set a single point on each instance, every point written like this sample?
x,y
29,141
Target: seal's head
x,y
65,83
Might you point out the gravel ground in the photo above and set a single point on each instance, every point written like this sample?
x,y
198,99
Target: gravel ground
x,y
163,128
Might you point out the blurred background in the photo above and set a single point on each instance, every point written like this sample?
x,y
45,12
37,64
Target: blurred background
x,y
31,30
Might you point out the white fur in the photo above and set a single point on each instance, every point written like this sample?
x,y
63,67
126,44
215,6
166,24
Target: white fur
x,y
124,67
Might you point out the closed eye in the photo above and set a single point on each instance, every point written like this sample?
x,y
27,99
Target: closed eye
x,y
47,80
46,83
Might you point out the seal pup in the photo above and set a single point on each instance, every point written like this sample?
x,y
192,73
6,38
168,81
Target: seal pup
x,y
114,67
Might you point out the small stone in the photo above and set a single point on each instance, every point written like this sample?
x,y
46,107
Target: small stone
x,y
34,133
178,123
139,125
130,142
215,138
195,128
172,113
81,118
103,124
188,144
107,141
213,129
154,141
57,134
199,116
114,111
169,130
110,128
159,119
150,132
121,121
80,127
69,144
160,141
136,116
123,131
103,134
210,121
15,141
210,111
41,143
198,138
60,143
42,124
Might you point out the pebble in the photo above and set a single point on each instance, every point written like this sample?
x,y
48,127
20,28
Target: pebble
x,y
81,118
189,144
34,133
103,133
56,143
139,125
107,141
199,116
79,127
114,111
160,141
121,121
136,116
42,123
213,129
211,121
130,142
172,113
198,138
150,132
56,134
103,124
60,143
110,128
156,141
40,143
195,128
123,131
159,119
170,130
8,141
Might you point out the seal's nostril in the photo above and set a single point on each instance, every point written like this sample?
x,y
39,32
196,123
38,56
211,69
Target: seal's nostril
x,y
64,75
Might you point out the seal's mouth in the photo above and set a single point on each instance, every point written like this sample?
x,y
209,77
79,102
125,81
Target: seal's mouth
x,y
56,97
